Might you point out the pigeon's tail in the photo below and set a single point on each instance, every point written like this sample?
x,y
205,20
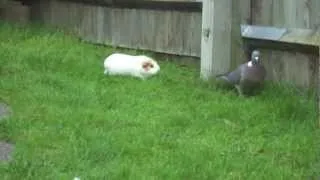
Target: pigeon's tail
x,y
223,76
223,81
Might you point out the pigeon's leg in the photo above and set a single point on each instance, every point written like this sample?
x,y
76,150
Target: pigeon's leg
x,y
239,90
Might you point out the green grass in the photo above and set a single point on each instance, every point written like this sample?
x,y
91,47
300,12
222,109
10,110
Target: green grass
x,y
70,120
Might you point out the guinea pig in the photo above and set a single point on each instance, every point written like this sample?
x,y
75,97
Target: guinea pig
x,y
139,66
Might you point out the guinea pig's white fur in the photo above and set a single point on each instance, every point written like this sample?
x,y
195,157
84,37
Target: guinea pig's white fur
x,y
140,66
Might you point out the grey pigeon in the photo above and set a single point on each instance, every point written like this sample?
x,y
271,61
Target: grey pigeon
x,y
247,78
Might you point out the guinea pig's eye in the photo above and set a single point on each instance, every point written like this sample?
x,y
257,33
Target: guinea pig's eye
x,y
151,65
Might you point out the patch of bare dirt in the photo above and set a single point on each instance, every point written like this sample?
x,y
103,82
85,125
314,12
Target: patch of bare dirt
x,y
5,147
6,151
5,111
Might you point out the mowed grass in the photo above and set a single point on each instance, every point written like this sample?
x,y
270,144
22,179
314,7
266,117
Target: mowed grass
x,y
70,120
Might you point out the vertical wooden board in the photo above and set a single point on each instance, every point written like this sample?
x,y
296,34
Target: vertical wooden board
x,y
180,31
72,21
100,16
160,31
296,69
96,25
107,23
135,29
187,39
40,11
222,36
46,11
86,24
172,35
237,50
67,15
313,7
195,34
167,31
60,14
167,25
183,28
91,33
187,43
313,69
114,28
262,11
54,16
149,29
278,14
273,64
126,29
141,29
123,28
78,16
245,11
184,35
296,14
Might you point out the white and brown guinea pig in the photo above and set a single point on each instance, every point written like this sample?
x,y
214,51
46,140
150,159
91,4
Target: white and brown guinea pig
x,y
140,66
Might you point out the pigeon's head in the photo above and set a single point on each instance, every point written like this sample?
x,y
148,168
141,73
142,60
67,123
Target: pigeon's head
x,y
255,57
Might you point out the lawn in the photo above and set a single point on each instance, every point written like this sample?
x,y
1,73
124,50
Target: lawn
x,y
70,120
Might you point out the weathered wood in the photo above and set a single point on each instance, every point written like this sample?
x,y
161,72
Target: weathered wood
x,y
301,71
286,13
286,52
3,2
218,37
287,35
238,55
245,11
292,15
178,32
15,12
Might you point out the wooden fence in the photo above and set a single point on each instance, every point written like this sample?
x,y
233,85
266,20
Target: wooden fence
x,y
178,31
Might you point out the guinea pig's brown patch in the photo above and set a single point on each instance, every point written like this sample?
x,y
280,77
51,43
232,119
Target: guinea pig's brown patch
x,y
147,65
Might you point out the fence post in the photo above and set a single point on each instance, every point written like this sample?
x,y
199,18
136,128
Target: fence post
x,y
221,37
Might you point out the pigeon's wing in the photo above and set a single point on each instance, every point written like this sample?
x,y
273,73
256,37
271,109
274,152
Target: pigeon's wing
x,y
235,76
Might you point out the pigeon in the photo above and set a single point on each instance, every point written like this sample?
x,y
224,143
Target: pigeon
x,y
248,78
